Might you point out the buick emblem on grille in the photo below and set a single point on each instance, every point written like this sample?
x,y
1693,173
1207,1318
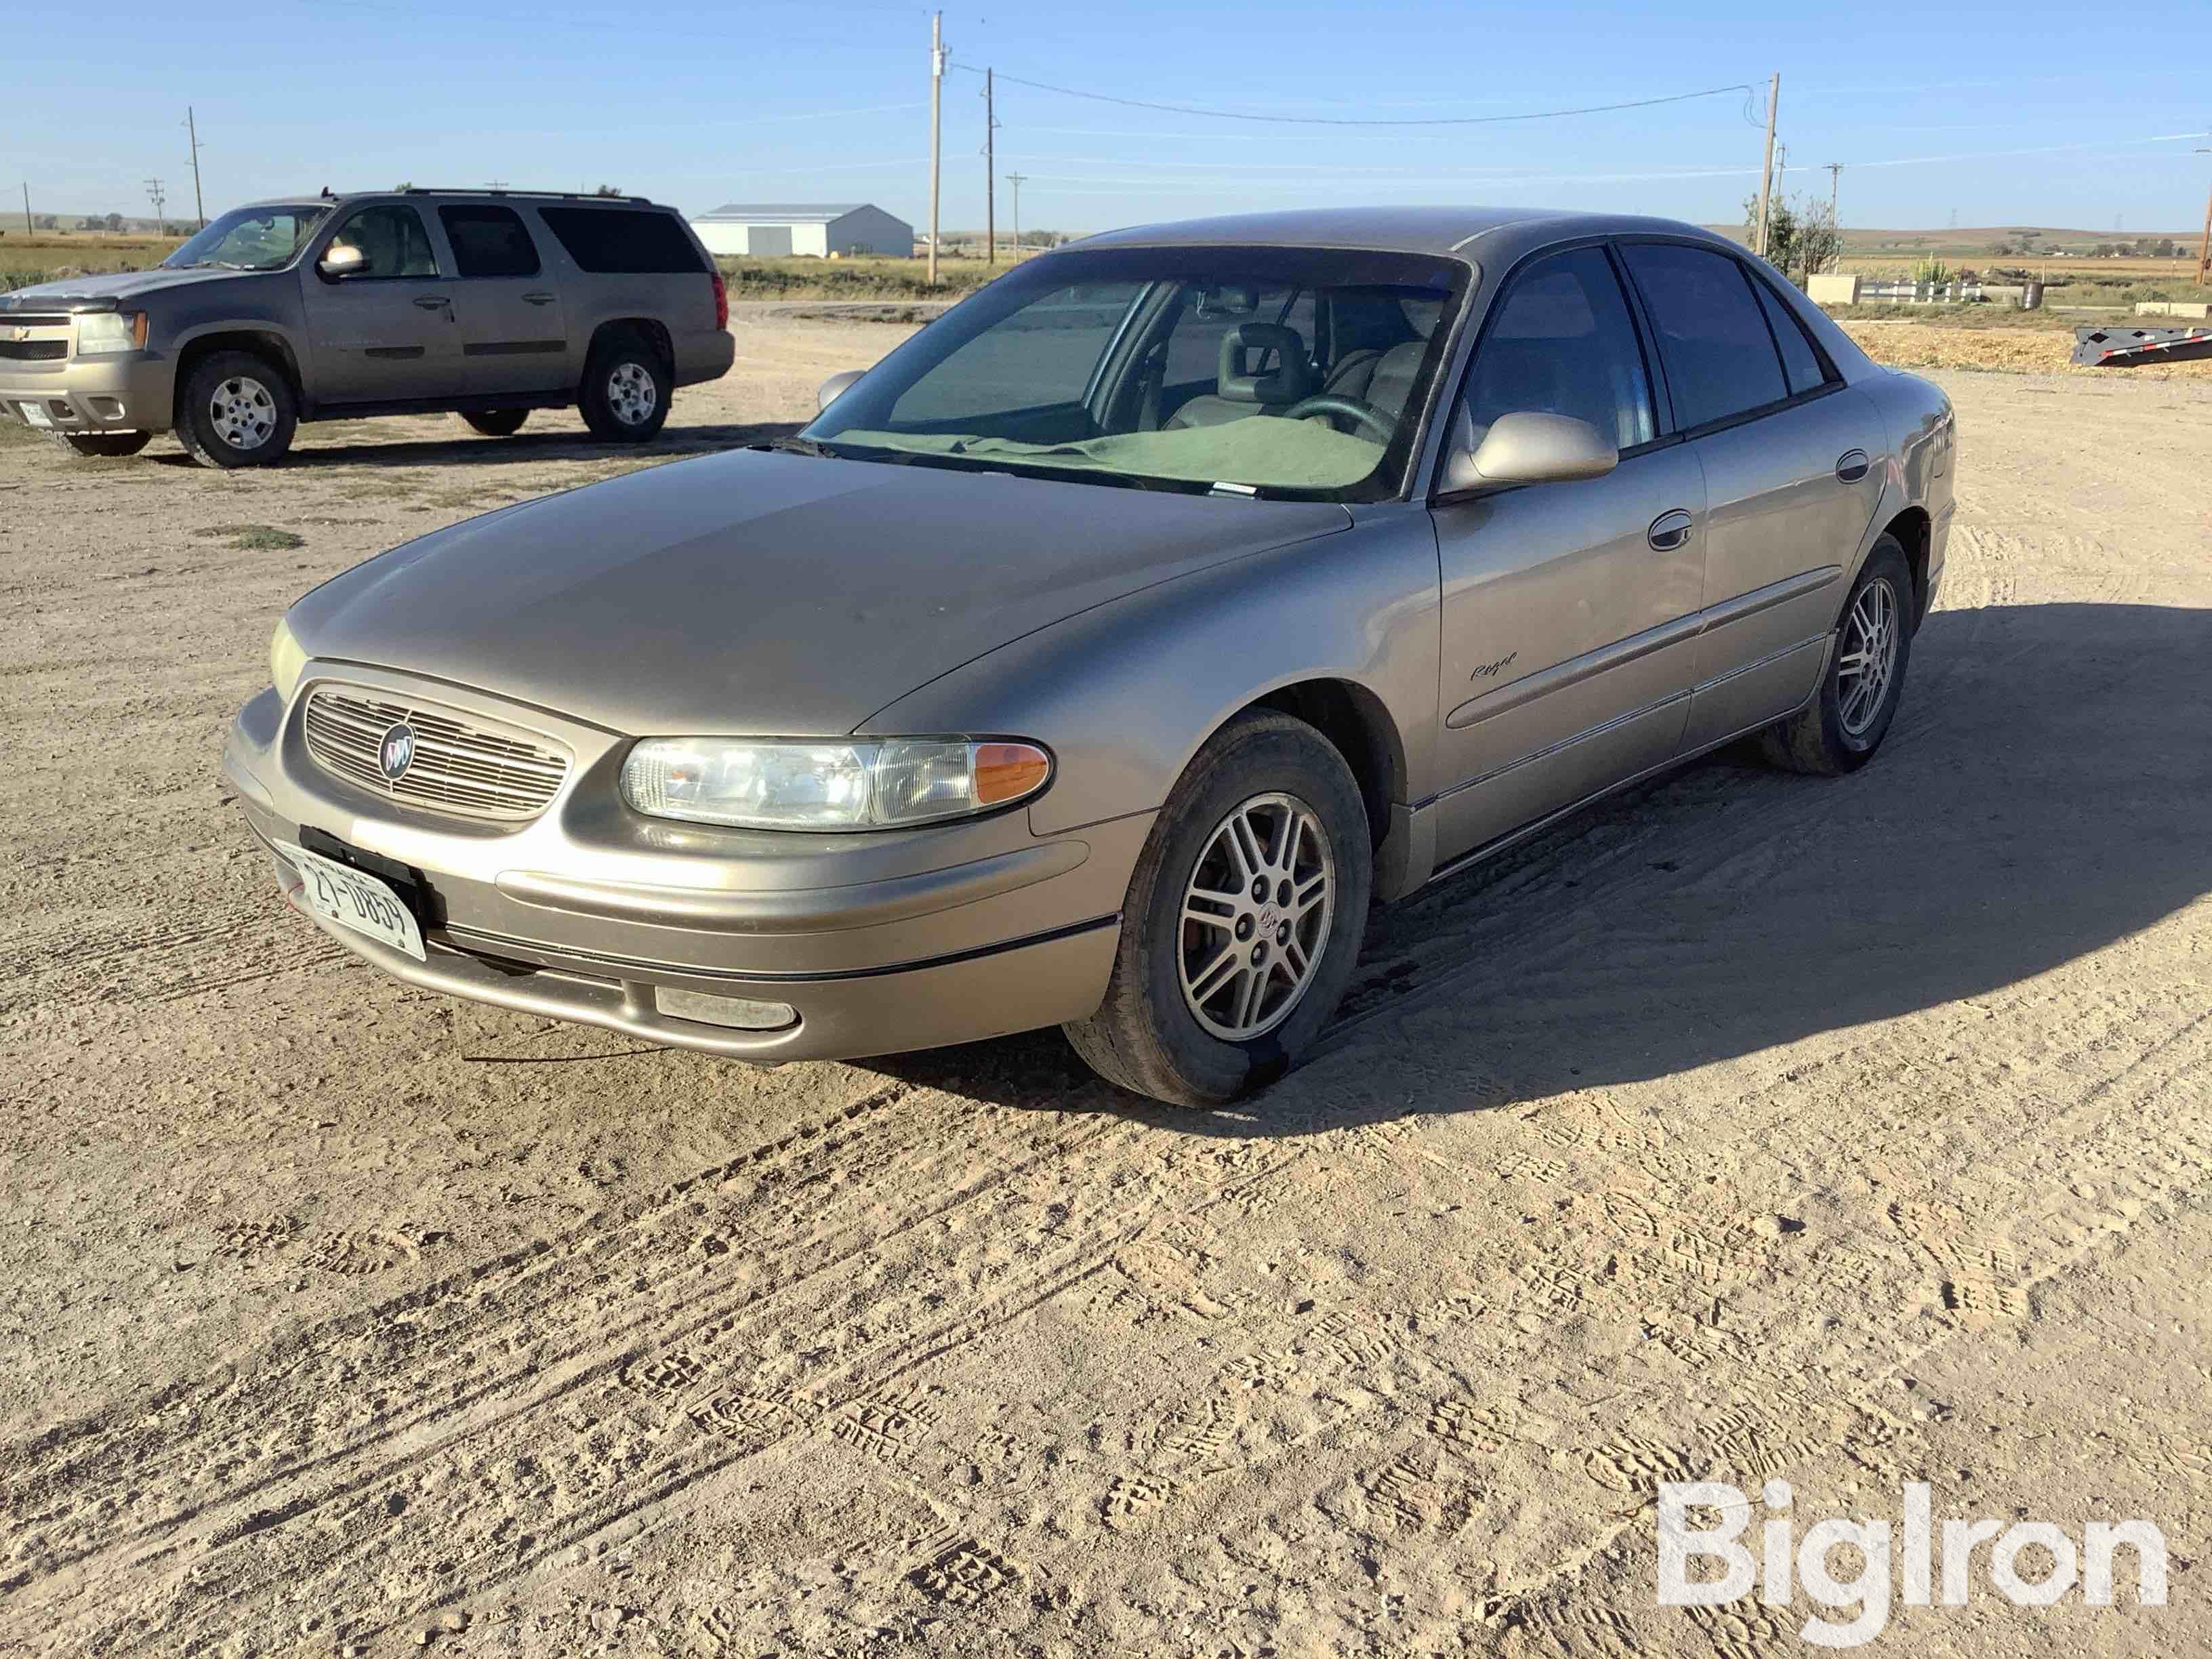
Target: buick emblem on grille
x,y
396,752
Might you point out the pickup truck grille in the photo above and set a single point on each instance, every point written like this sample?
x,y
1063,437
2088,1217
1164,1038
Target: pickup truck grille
x,y
33,351
462,765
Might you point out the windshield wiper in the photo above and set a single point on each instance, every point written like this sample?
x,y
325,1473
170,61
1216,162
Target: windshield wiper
x,y
794,445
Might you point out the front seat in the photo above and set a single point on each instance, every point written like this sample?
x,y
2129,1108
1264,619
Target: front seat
x,y
1238,392
1385,379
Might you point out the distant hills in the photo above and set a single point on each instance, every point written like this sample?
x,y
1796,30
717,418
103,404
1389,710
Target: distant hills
x,y
1984,239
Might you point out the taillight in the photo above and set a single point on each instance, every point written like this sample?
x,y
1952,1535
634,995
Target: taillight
x,y
721,301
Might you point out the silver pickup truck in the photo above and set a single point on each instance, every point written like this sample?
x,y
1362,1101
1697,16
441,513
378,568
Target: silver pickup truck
x,y
486,303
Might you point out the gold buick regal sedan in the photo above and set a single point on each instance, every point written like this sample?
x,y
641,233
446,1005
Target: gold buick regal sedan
x,y
1098,658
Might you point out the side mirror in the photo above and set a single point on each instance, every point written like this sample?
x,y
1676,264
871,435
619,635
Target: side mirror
x,y
342,259
1531,448
834,388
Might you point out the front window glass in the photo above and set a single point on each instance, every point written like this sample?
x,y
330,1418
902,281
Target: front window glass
x,y
1563,344
1288,372
393,242
250,238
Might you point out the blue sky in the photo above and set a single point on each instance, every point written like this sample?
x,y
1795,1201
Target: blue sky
x,y
789,101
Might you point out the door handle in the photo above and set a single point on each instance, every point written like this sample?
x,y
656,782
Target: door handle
x,y
1671,530
431,301
539,299
1852,465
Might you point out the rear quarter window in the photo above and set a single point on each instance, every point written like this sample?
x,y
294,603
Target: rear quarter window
x,y
623,241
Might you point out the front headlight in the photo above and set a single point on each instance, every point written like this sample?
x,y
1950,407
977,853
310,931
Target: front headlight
x,y
829,784
286,659
101,334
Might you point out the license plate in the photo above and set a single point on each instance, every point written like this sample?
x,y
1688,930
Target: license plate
x,y
356,901
36,416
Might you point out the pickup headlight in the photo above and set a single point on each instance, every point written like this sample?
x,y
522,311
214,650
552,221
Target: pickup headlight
x,y
286,659
829,784
101,333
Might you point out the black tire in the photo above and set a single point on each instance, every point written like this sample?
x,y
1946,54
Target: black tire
x,y
496,422
262,397
113,444
1828,737
623,363
1144,1036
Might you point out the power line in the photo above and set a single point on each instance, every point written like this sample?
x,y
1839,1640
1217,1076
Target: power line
x,y
1346,121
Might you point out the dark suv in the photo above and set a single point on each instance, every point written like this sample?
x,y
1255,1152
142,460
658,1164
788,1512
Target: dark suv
x,y
489,303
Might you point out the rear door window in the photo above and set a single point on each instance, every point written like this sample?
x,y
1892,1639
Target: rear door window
x,y
1800,362
1713,342
489,241
623,241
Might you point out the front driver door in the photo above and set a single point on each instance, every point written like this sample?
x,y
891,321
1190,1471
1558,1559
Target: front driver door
x,y
385,332
1569,610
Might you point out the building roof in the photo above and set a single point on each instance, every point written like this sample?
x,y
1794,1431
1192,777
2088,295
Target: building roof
x,y
786,212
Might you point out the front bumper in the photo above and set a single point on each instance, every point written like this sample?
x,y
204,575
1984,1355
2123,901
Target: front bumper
x,y
127,392
881,943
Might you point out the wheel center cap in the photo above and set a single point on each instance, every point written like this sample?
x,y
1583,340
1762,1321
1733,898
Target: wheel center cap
x,y
1268,919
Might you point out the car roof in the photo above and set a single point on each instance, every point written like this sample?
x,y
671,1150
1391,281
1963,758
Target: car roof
x,y
1461,232
307,198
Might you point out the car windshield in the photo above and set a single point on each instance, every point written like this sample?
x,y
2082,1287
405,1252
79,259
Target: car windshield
x,y
1285,373
250,238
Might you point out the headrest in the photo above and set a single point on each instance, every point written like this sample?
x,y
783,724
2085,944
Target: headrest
x,y
1291,379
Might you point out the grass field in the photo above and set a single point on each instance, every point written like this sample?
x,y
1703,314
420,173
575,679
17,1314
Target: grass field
x,y
854,279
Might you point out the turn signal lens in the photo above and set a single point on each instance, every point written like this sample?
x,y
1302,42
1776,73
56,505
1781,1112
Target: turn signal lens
x,y
1007,771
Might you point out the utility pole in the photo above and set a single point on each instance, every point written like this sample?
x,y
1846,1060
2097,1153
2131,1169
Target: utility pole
x,y
27,207
1766,173
1018,179
990,179
199,202
153,195
2204,248
1835,188
936,125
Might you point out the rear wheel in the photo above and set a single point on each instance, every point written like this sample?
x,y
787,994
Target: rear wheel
x,y
115,444
236,409
624,398
1243,919
1840,729
496,422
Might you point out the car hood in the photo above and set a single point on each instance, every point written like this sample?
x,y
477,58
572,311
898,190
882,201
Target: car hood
x,y
105,293
767,593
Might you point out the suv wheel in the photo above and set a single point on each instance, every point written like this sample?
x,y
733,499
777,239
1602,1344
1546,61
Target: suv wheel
x,y
1840,730
625,392
236,409
1244,920
105,443
496,422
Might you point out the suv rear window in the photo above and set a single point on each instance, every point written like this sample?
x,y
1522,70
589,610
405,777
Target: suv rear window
x,y
489,241
622,240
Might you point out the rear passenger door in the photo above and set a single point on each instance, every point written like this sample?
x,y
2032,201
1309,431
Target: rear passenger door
x,y
1788,454
507,306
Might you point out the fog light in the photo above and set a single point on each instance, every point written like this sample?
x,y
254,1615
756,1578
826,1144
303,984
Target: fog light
x,y
741,1012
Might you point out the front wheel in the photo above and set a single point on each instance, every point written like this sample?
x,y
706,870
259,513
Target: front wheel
x,y
496,422
236,409
1840,729
1243,919
624,398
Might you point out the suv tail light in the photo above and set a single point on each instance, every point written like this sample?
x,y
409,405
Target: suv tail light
x,y
721,301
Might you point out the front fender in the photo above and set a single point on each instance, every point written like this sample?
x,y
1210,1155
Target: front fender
x,y
1125,694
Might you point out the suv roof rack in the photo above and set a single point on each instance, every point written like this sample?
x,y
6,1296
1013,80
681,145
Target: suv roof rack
x,y
502,190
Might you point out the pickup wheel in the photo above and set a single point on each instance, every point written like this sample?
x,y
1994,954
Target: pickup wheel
x,y
1840,729
624,398
496,422
1243,919
236,409
115,444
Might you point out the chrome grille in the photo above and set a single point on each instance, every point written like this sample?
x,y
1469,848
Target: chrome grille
x,y
463,765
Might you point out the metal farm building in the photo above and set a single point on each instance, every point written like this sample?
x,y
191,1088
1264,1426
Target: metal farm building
x,y
817,227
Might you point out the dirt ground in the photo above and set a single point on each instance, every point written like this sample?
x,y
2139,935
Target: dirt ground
x,y
1849,1132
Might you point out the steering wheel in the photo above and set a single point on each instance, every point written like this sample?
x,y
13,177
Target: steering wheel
x,y
1379,426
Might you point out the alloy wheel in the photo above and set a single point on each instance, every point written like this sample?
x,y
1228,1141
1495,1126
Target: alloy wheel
x,y
1255,917
1868,660
243,412
631,394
